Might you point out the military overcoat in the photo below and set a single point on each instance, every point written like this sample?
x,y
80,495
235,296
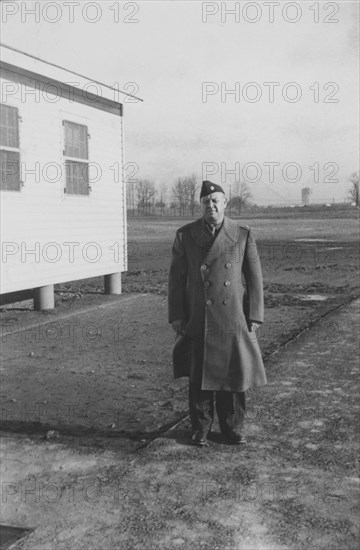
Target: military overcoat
x,y
216,287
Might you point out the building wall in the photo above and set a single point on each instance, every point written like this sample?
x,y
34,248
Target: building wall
x,y
48,236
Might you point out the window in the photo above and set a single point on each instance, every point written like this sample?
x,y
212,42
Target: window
x,y
76,161
10,170
9,149
77,178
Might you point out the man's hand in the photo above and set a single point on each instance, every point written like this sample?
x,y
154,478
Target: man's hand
x,y
179,326
254,326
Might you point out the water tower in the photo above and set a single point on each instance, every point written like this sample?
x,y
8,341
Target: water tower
x,y
305,195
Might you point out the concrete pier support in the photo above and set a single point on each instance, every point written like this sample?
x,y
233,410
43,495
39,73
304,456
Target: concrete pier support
x,y
112,283
44,298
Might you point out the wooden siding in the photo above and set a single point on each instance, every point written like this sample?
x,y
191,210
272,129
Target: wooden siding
x,y
42,218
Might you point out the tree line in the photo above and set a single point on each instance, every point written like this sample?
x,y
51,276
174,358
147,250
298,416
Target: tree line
x,y
144,198
181,199
354,188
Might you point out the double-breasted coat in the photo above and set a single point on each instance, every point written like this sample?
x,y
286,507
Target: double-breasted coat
x,y
215,285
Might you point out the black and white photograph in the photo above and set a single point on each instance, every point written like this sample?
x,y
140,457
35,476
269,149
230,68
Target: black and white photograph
x,y
179,275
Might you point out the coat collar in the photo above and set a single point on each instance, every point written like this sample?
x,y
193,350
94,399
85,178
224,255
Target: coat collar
x,y
202,237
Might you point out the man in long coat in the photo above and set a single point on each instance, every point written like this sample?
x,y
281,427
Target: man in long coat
x,y
215,316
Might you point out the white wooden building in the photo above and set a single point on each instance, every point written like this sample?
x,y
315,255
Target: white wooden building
x,y
63,204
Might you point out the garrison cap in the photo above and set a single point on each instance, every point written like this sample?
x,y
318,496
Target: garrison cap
x,y
208,187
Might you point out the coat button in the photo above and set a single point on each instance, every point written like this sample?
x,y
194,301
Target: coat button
x,y
227,283
208,302
225,302
203,267
227,265
206,284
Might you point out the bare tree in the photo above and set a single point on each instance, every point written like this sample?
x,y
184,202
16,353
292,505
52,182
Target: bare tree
x,y
161,203
179,195
191,186
130,197
184,194
354,189
240,197
145,192
173,207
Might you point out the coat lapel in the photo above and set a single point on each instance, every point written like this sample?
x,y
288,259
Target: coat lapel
x,y
227,235
199,233
229,230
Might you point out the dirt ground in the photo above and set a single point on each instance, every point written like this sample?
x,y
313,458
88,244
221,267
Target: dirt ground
x,y
97,372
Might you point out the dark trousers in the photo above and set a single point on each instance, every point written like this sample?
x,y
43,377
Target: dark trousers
x,y
230,409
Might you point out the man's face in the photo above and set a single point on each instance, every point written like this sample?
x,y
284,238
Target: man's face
x,y
213,207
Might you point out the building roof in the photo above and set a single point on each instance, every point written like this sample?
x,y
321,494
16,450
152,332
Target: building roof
x,y
17,59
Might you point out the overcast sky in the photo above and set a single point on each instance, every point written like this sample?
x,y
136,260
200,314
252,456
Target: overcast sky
x,y
182,55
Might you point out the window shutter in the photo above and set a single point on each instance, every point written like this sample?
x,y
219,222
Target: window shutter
x,y
9,128
76,140
77,178
10,171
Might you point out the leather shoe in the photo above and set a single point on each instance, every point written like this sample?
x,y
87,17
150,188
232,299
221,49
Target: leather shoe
x,y
232,436
199,439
